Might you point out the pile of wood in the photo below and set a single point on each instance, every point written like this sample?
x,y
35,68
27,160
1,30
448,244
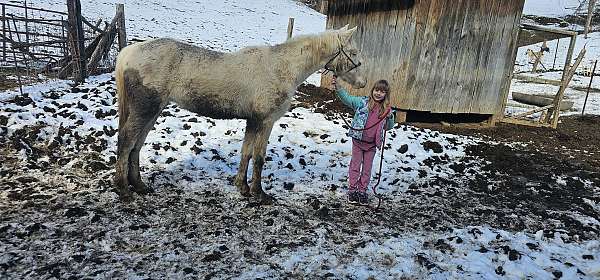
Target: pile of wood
x,y
84,61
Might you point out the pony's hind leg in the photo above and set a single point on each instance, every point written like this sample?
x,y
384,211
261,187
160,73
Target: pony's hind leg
x,y
128,138
134,158
125,144
140,107
241,179
258,153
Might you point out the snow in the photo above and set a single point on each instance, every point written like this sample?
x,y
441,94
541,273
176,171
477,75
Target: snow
x,y
551,8
225,25
473,252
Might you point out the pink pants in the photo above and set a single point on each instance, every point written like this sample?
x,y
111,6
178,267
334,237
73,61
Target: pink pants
x,y
362,155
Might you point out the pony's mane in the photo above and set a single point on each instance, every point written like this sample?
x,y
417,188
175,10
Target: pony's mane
x,y
318,41
319,45
326,38
326,33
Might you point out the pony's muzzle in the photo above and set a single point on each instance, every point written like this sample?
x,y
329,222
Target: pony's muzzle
x,y
360,83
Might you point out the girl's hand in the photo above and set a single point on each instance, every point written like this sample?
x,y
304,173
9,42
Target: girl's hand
x,y
333,83
392,112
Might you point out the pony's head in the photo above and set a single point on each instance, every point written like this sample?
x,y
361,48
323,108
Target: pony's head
x,y
346,61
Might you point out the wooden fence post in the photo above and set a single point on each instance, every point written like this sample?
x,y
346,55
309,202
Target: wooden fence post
x,y
76,37
591,4
555,53
26,24
324,7
561,92
290,28
64,25
589,87
3,32
564,74
121,26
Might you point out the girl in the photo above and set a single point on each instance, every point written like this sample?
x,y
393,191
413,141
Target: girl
x,y
367,133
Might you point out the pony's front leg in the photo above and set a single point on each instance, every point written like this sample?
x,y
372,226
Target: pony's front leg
x,y
259,150
241,179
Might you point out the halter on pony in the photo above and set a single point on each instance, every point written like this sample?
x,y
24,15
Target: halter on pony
x,y
328,67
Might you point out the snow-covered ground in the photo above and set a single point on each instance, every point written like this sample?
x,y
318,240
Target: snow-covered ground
x,y
188,156
188,159
225,25
553,8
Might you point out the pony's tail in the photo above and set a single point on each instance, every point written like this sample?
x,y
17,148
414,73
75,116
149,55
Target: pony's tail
x,y
122,99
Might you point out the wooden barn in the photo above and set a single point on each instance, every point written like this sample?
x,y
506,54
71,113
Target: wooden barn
x,y
447,57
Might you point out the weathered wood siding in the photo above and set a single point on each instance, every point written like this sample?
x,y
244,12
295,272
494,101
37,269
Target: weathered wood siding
x,y
441,56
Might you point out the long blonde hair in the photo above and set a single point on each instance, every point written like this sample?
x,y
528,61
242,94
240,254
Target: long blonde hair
x,y
381,85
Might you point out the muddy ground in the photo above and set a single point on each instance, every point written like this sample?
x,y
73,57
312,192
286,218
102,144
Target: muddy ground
x,y
66,222
527,189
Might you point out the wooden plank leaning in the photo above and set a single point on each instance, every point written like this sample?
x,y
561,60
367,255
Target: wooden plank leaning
x,y
520,115
512,120
537,80
561,92
104,45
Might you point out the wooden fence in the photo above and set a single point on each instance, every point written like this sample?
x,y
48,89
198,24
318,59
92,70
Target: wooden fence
x,y
37,41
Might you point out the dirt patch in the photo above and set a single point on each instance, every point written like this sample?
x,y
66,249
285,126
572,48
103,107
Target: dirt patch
x,y
528,173
320,99
7,84
575,140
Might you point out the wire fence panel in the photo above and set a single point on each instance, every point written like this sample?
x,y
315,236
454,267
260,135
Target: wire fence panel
x,y
34,44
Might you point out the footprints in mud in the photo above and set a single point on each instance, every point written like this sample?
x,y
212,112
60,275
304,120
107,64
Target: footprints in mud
x,y
433,146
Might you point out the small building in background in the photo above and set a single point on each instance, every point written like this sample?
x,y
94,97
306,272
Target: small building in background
x,y
443,58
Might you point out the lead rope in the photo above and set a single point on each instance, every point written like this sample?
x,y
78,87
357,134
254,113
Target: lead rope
x,y
374,188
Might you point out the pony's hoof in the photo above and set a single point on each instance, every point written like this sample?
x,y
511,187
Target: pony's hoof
x,y
142,189
124,195
264,198
244,190
245,193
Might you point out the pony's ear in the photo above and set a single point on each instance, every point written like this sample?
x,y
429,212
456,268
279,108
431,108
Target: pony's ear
x,y
353,30
345,35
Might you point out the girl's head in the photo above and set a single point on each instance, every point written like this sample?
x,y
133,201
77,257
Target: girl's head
x,y
380,90
380,96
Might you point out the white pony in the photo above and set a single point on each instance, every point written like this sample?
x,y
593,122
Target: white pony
x,y
255,84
